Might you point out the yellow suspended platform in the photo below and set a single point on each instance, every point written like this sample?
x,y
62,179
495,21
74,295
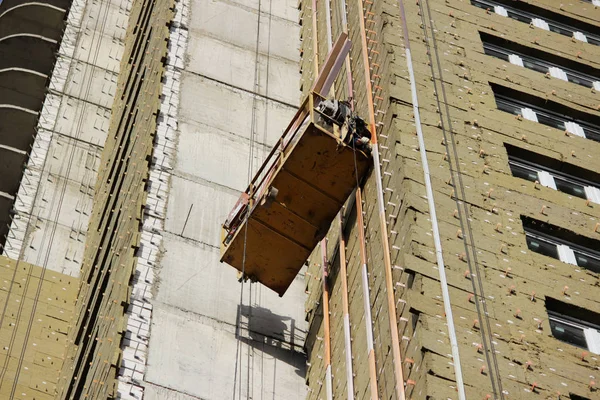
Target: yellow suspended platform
x,y
292,200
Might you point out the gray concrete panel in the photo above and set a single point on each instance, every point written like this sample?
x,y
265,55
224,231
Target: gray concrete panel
x,y
99,84
211,203
241,28
199,357
231,110
282,320
207,56
213,155
85,121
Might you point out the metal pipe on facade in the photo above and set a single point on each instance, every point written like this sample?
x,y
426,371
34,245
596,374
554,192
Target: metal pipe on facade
x,y
325,299
326,332
432,212
391,301
366,296
342,246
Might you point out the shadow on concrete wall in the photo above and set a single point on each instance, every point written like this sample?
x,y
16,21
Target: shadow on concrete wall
x,y
272,334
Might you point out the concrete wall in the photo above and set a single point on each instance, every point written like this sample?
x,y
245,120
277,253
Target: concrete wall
x,y
464,136
234,68
54,200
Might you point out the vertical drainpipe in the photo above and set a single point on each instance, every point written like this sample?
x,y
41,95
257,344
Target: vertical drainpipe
x,y
366,296
436,232
326,334
325,299
343,266
342,241
391,301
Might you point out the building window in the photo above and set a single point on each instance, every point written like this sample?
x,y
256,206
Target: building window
x,y
542,18
547,112
554,174
597,4
561,244
571,395
540,61
574,325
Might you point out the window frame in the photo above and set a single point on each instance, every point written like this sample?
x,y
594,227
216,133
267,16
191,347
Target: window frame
x,y
537,168
521,15
569,246
591,331
570,73
592,132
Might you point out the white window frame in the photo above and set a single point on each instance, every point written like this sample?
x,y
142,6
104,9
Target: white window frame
x,y
592,193
516,60
592,336
574,128
529,114
546,179
580,36
540,23
558,73
500,11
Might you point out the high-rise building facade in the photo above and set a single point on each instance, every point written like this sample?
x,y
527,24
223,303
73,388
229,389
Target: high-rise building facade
x,y
487,116
465,264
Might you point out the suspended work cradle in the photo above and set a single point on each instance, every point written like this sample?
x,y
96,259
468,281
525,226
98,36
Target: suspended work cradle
x,y
295,195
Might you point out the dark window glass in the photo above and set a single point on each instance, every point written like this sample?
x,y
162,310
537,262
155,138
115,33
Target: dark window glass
x,y
508,107
518,16
574,396
574,78
587,261
534,66
560,29
569,187
495,53
591,133
550,121
542,247
593,40
568,333
563,28
523,172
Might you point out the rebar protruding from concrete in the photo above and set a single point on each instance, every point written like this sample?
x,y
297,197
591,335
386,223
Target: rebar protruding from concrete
x,y
532,296
596,226
564,291
475,324
512,290
498,227
518,314
507,272
542,211
459,233
482,370
529,366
